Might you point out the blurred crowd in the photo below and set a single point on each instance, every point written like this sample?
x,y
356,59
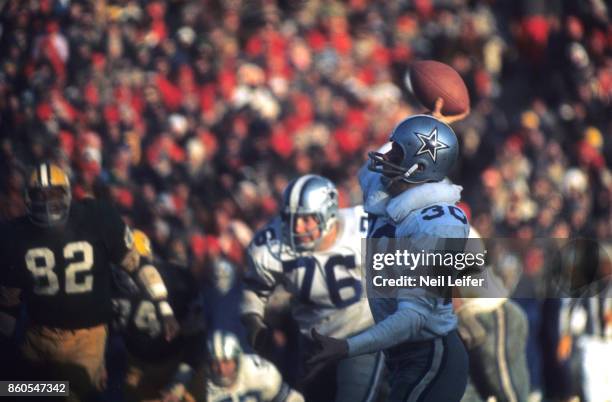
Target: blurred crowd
x,y
193,115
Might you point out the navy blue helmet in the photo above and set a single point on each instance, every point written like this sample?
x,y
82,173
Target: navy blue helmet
x,y
424,149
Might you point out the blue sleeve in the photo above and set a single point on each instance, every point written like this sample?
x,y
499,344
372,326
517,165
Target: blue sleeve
x,y
405,323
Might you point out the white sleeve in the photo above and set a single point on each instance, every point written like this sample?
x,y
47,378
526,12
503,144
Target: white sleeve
x,y
259,285
270,380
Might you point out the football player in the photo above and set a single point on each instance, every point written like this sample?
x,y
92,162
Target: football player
x,y
158,368
314,250
407,197
494,330
57,260
234,376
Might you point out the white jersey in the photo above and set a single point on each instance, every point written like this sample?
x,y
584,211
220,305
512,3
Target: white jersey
x,y
424,214
422,225
258,380
326,284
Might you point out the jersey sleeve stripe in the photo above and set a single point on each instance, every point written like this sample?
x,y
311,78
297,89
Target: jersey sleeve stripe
x,y
44,175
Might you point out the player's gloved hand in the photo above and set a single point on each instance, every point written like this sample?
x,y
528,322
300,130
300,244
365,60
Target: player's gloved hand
x,y
169,324
259,335
437,113
328,349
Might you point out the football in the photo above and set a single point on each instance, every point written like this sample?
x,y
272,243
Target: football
x,y
431,80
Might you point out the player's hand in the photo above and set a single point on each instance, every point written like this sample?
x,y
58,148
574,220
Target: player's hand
x,y
437,113
171,327
328,349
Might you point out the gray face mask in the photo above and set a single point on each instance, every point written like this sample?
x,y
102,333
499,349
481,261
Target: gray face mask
x,y
48,207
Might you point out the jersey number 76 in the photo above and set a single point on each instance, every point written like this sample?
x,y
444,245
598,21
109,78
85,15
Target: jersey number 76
x,y
334,285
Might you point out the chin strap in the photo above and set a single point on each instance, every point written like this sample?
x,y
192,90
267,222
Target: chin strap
x,y
390,170
405,176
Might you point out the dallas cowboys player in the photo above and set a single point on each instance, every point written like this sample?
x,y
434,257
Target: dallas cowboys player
x,y
314,250
234,376
408,197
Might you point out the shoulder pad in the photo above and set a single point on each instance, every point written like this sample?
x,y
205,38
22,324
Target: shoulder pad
x,y
268,235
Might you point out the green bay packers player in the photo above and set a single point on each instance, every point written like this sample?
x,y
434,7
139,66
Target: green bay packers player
x,y
234,376
57,261
314,249
158,368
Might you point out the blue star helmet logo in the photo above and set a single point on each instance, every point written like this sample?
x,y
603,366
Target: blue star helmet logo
x,y
430,144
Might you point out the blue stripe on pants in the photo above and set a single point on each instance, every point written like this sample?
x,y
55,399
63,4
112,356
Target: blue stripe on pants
x,y
358,378
429,371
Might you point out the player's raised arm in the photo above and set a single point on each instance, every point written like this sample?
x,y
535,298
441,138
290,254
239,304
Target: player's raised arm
x,y
149,279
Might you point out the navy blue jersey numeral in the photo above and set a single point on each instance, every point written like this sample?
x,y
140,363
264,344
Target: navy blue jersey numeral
x,y
457,213
363,224
308,263
433,212
436,211
334,285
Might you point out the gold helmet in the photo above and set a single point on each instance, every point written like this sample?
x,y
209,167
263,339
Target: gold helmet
x,y
48,195
142,244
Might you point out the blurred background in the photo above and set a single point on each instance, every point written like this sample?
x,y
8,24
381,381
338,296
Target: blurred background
x,y
191,116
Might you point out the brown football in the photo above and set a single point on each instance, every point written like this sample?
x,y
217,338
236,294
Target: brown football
x,y
431,80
